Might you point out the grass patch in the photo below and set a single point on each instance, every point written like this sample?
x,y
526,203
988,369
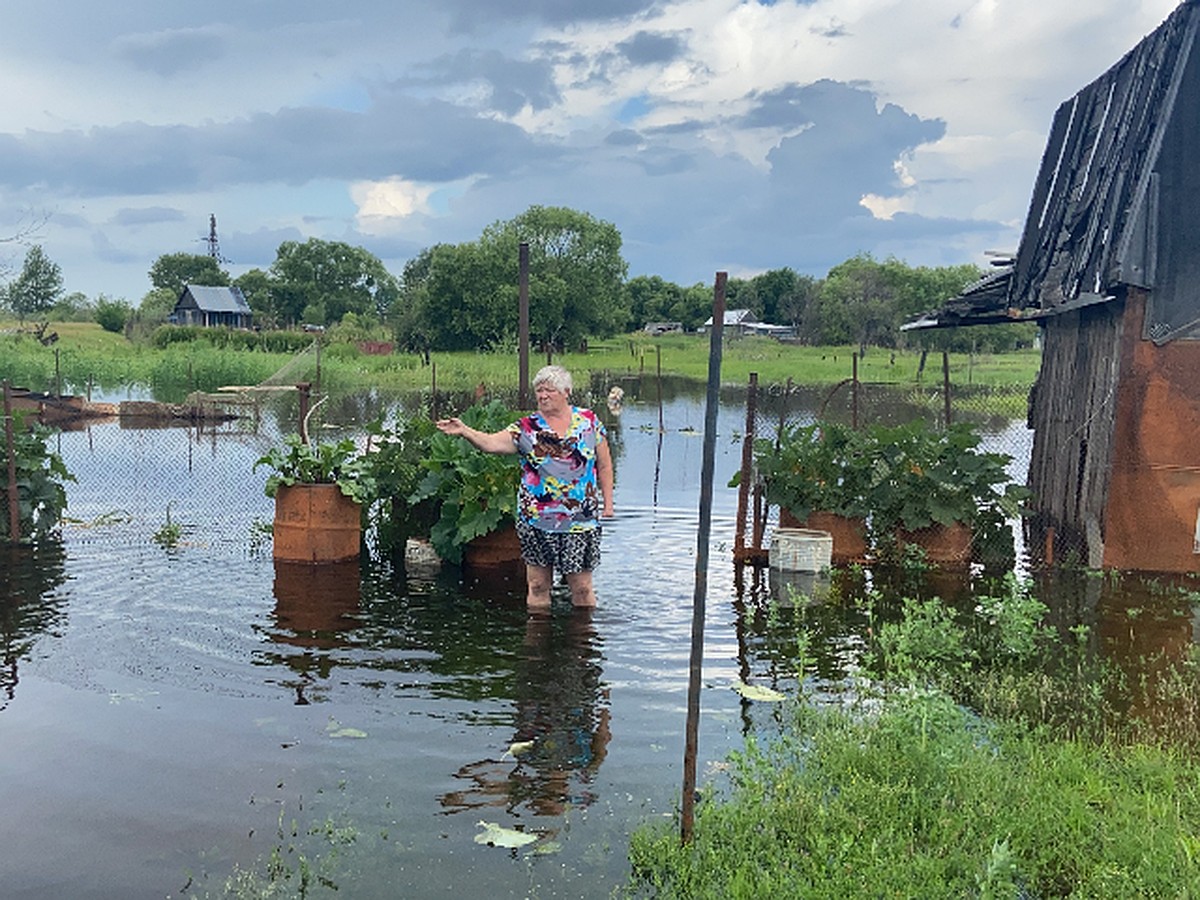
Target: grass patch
x,y
982,755
920,798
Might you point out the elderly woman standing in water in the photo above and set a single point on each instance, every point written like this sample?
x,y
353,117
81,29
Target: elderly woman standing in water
x,y
566,486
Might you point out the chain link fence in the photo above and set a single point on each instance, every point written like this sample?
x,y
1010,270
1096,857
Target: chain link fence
x,y
171,483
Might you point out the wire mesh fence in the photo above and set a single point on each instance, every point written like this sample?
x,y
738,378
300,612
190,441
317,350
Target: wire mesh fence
x,y
142,481
171,484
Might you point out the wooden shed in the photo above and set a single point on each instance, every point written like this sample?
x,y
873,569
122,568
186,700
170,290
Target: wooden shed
x,y
1109,265
212,307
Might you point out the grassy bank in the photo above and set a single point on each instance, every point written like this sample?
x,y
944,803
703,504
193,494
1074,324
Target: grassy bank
x,y
977,757
85,354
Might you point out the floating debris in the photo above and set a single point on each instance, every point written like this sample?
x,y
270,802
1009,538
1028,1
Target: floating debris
x,y
517,748
335,729
498,836
754,692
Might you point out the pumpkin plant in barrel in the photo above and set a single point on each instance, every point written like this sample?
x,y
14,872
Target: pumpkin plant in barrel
x,y
927,481
319,492
816,467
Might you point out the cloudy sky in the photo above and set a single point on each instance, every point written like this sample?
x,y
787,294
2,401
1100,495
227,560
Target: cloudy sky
x,y
715,134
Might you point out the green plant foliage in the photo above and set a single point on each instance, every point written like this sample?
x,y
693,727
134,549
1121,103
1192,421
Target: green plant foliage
x,y
169,535
476,492
395,465
951,772
821,466
41,476
924,476
337,463
232,339
111,315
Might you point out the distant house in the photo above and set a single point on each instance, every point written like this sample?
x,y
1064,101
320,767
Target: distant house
x,y
737,321
1109,266
212,307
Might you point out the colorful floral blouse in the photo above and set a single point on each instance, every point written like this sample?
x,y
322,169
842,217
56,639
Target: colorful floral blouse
x,y
558,490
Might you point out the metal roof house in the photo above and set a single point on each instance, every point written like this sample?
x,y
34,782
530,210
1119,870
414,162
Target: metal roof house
x,y
735,320
1109,265
212,307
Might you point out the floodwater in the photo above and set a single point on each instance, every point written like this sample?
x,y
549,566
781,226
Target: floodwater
x,y
169,716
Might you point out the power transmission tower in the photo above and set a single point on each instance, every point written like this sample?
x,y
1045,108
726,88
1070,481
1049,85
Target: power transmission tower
x,y
214,247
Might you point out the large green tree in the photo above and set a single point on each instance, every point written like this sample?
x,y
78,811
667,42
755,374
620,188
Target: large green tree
x,y
38,286
255,286
651,298
466,295
320,281
783,295
174,271
576,273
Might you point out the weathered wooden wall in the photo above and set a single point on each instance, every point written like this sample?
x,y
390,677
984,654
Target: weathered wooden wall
x,y
1115,469
1071,411
1154,493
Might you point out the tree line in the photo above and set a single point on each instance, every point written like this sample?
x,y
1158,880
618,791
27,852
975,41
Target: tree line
x,y
465,296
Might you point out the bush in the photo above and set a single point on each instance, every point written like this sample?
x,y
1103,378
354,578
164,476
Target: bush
x,y
111,315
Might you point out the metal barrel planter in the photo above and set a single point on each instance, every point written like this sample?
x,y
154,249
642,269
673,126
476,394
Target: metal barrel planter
x,y
492,562
496,548
316,523
945,546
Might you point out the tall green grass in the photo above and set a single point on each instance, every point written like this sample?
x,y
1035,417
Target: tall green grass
x,y
88,355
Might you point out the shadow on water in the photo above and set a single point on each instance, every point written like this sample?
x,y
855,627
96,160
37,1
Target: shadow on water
x,y
30,605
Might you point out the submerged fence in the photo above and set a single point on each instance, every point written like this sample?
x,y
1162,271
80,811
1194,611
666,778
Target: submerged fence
x,y
996,415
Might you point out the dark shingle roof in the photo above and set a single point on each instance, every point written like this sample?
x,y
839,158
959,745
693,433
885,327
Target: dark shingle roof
x,y
219,299
1093,220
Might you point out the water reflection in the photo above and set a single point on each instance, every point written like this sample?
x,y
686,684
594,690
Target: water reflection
x,y
561,725
29,606
315,609
1141,624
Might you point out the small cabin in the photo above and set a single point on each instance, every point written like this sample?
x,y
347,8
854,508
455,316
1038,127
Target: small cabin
x,y
1109,266
212,307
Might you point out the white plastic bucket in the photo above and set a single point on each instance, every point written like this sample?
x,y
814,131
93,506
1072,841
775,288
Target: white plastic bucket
x,y
800,550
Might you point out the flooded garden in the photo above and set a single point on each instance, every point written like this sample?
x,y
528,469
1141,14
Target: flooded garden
x,y
181,715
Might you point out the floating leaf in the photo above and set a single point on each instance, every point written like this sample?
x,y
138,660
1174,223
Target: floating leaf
x,y
517,748
335,729
754,692
498,836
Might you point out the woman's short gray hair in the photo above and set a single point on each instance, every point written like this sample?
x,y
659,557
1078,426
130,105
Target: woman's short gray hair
x,y
555,376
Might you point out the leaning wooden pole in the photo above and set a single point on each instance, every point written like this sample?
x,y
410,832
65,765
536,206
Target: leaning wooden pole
x,y
14,503
687,816
523,325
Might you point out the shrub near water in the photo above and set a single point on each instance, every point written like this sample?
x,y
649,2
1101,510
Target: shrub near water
x,y
904,792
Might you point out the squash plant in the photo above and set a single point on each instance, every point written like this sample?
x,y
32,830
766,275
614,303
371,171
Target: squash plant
x,y
395,464
923,477
331,462
815,467
476,492
41,477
